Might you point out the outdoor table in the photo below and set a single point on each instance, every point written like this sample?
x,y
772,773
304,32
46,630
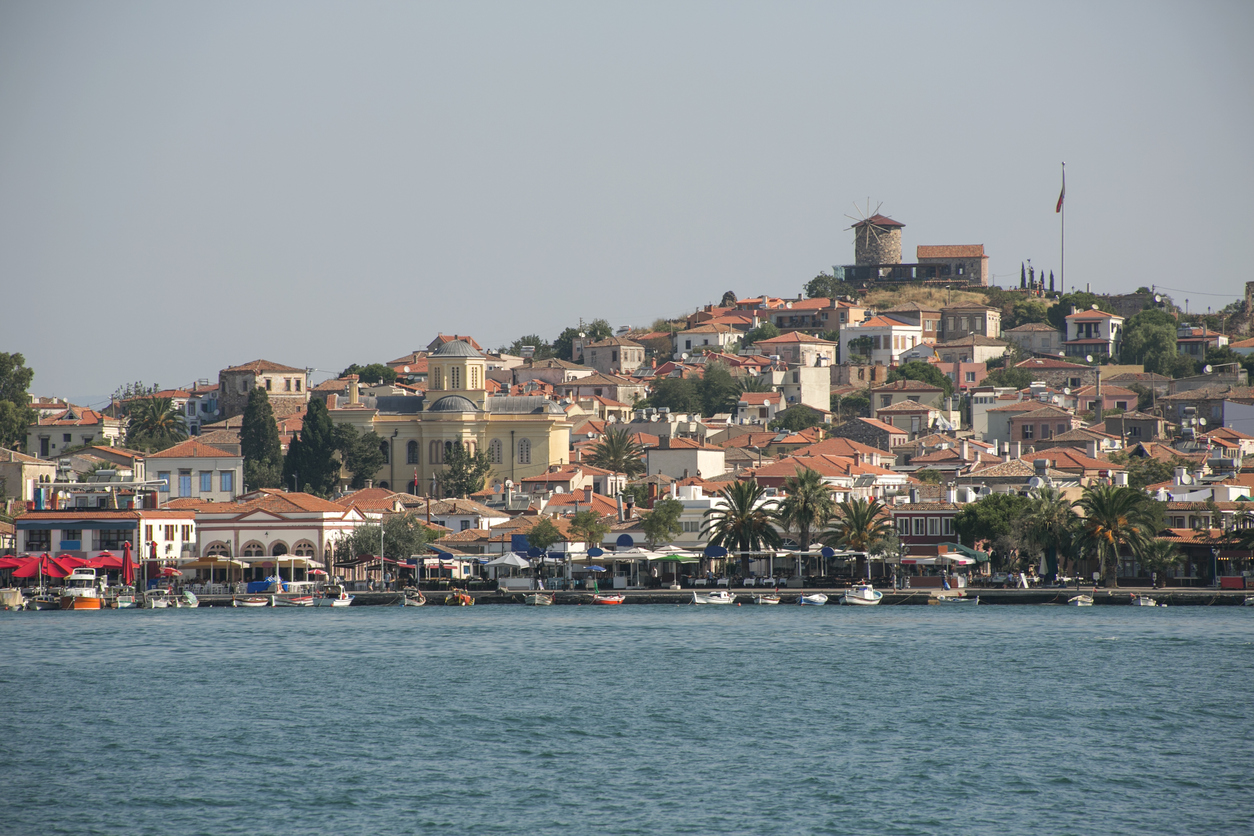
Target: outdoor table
x,y
723,581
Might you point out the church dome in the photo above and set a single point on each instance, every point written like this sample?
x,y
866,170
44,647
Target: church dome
x,y
456,348
453,403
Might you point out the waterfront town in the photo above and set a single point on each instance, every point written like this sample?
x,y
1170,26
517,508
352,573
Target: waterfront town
x,y
900,425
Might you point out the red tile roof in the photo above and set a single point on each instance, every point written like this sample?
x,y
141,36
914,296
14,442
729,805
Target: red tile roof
x,y
263,366
192,449
877,220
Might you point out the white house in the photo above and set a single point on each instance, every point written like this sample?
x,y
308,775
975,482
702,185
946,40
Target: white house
x,y
196,470
1093,332
682,457
269,523
889,337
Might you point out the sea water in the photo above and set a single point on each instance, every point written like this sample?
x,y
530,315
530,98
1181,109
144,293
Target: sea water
x,y
629,720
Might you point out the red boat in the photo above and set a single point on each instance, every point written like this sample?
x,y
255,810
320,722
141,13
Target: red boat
x,y
608,599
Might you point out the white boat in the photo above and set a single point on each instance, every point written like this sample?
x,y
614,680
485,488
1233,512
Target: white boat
x,y
718,596
1080,601
157,599
1249,602
12,599
334,596
413,599
864,595
43,601
957,599
814,599
80,591
291,600
538,599
186,601
252,601
767,599
125,599
1144,601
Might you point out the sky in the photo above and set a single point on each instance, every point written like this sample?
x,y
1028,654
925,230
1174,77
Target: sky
x,y
190,186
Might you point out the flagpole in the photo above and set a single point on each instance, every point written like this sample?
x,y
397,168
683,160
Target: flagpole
x,y
1062,233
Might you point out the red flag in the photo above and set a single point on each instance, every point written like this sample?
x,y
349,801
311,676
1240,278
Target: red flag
x,y
1062,193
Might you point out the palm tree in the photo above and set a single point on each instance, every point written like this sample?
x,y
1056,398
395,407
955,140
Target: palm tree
x,y
753,383
619,452
743,522
807,506
859,525
1159,556
1115,517
1048,524
155,423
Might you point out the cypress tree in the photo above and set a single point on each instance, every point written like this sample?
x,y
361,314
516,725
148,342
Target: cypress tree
x,y
1023,277
1051,281
259,443
312,459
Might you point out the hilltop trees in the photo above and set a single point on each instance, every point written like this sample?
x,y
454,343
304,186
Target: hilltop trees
x,y
15,412
373,373
259,443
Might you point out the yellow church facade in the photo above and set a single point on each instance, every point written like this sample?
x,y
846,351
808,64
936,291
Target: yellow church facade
x,y
521,435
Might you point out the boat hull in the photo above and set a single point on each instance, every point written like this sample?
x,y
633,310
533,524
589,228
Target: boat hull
x,y
297,601
720,597
766,600
818,599
863,596
538,600
610,600
1144,601
1080,601
958,599
43,602
250,602
80,602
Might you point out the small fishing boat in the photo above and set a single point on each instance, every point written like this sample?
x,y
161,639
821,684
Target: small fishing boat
x,y
157,599
334,596
43,601
186,601
253,601
80,591
863,595
413,598
767,599
1248,602
292,600
125,599
459,599
1144,601
1080,601
600,598
538,599
12,599
957,599
718,596
814,599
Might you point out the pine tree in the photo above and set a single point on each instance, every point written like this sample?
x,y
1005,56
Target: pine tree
x,y
311,460
259,443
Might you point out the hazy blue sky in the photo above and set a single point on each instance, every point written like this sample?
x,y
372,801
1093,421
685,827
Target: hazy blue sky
x,y
185,187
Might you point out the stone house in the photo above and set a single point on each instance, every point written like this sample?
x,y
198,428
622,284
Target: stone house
x,y
1035,338
614,355
286,386
970,349
910,416
872,433
960,262
19,473
1041,423
928,319
958,321
850,374
796,348
1059,374
916,391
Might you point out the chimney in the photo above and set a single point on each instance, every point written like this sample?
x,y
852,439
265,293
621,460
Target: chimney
x,y
674,490
333,401
951,494
354,394
1178,479
1099,388
587,495
652,493
1016,449
369,484
1090,447
966,450
620,508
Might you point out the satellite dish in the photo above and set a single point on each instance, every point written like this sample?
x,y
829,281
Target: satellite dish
x,y
1201,422
1088,358
405,369
1157,299
509,483
1066,391
1207,369
683,356
1093,307
1035,482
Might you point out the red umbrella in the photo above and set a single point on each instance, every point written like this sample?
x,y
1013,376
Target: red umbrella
x,y
128,569
72,561
317,572
169,572
42,565
11,562
104,560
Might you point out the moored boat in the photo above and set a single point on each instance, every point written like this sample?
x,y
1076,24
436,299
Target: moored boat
x,y
252,601
43,601
863,595
186,601
124,599
814,599
1144,601
334,596
958,599
538,599
767,599
80,591
157,599
459,599
607,598
413,598
718,596
292,600
1080,601
1248,602
12,599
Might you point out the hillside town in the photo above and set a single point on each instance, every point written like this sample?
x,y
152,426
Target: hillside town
x,y
753,434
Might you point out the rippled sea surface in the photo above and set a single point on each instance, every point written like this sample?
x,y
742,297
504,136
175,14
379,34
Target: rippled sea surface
x,y
632,720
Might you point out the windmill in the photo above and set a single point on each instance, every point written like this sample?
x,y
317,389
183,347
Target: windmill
x,y
877,239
